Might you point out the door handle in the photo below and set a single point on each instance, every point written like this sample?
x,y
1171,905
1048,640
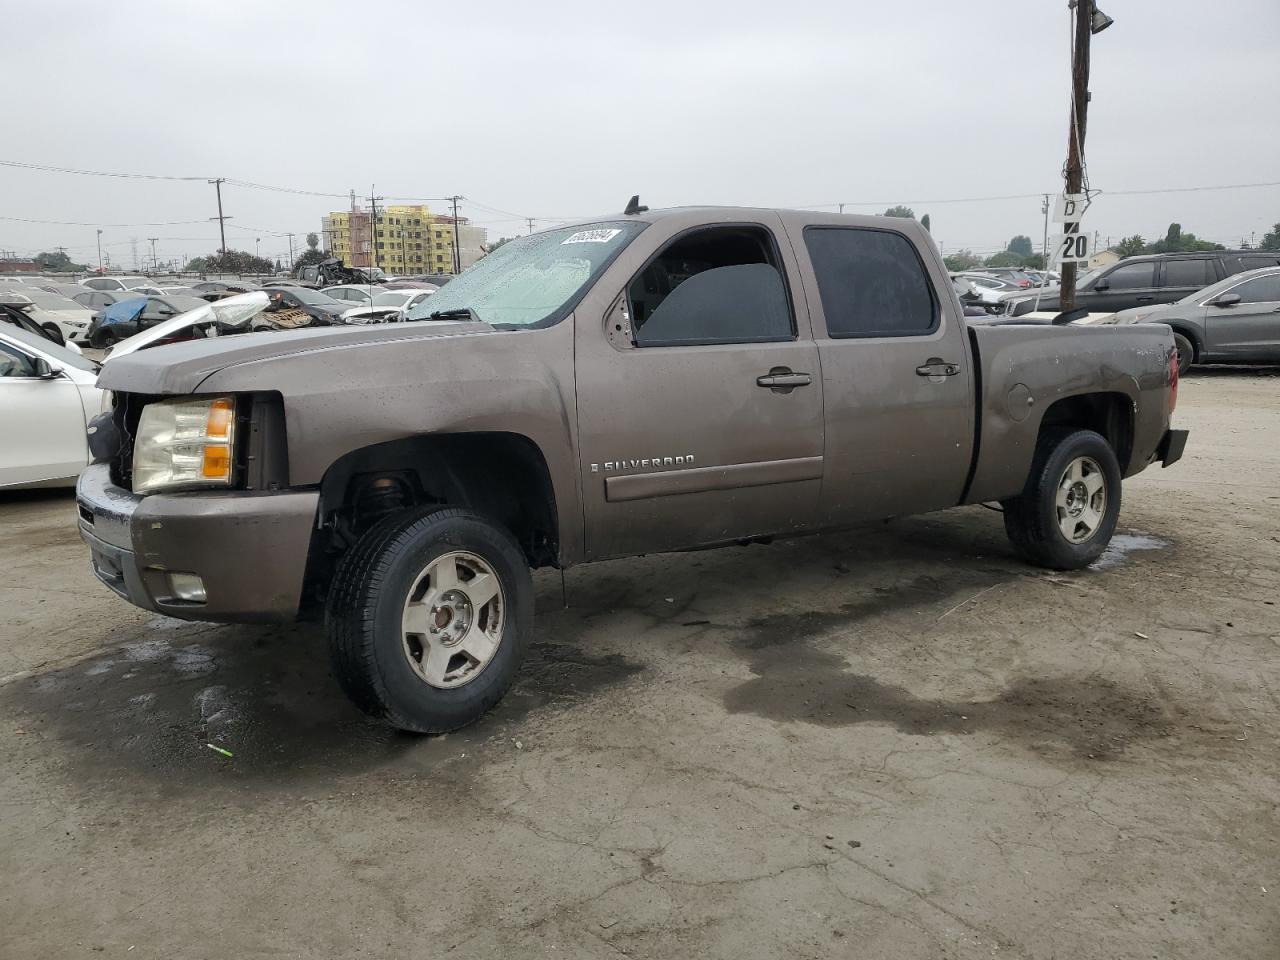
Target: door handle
x,y
1145,299
936,367
783,380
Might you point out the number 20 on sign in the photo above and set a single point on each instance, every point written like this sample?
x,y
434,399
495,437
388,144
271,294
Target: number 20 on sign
x,y
1071,248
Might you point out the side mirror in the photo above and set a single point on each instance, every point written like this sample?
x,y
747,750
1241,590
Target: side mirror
x,y
1103,284
44,370
1226,300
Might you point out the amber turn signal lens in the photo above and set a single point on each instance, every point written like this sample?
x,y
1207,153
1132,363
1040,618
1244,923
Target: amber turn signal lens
x,y
220,416
217,462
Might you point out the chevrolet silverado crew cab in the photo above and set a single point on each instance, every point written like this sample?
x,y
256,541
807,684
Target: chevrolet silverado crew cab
x,y
647,382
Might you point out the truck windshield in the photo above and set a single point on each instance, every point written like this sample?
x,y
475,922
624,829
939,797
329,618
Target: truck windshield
x,y
532,279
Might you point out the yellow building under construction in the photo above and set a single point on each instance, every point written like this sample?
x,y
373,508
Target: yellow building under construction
x,y
404,240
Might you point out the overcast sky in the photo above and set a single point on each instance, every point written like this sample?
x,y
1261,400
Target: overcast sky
x,y
564,109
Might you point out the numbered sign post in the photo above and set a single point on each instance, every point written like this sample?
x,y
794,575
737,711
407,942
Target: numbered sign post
x,y
1070,248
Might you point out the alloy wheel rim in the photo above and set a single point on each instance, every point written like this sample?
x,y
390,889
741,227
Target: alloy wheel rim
x,y
1081,500
453,617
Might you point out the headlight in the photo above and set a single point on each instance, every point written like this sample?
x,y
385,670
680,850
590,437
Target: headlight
x,y
184,443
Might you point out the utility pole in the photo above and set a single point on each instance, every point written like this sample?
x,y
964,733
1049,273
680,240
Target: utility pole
x,y
222,221
457,254
257,246
529,220
290,236
841,206
1089,20
373,226
1044,250
155,264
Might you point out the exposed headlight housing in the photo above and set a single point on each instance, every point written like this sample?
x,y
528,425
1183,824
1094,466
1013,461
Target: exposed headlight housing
x,y
184,443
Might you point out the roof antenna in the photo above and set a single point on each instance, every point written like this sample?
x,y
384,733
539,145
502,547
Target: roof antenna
x,y
633,207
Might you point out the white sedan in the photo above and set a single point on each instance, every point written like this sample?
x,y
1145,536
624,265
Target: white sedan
x,y
72,319
354,293
47,398
387,307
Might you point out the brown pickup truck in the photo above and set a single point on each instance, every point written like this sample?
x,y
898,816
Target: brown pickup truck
x,y
642,383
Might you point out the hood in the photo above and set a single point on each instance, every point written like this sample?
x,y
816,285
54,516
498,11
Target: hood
x,y
1151,314
182,367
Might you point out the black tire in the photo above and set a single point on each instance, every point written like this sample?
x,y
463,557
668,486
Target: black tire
x,y
1186,352
1031,519
366,602
100,339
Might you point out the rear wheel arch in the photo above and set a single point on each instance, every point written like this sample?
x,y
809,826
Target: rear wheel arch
x,y
1108,413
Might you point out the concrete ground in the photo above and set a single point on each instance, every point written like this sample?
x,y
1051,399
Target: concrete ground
x,y
897,742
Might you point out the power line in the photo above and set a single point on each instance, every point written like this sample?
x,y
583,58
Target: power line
x,y
1225,186
91,173
79,223
1036,196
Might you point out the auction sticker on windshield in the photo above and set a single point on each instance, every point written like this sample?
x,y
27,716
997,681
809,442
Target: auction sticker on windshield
x,y
591,236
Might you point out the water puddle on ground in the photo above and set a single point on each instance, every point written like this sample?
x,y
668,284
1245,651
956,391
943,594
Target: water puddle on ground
x,y
1123,544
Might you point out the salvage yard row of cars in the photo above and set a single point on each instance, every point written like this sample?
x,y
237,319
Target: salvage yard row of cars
x,y
101,311
1222,305
48,395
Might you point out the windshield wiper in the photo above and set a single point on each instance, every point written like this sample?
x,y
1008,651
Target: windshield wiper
x,y
456,313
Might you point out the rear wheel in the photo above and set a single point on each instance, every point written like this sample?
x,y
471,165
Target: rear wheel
x,y
429,617
1186,352
1068,510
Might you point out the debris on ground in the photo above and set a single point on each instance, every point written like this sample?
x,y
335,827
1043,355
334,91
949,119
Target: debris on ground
x,y
222,750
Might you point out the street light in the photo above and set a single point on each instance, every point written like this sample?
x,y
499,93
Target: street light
x,y
1099,21
100,269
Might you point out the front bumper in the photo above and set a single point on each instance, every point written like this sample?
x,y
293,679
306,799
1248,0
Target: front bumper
x,y
250,549
1171,446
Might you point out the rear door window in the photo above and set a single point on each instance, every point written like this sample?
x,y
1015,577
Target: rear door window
x,y
872,283
1131,276
1189,273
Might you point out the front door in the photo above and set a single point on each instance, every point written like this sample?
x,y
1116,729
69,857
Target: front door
x,y
1250,329
42,433
1127,285
897,378
699,391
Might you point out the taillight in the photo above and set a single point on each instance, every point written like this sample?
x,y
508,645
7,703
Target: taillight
x,y
1173,379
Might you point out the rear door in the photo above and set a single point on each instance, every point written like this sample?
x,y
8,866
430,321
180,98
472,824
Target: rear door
x,y
1248,330
1182,277
897,380
699,390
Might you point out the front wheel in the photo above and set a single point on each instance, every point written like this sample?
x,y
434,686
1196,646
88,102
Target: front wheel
x,y
1066,514
429,617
